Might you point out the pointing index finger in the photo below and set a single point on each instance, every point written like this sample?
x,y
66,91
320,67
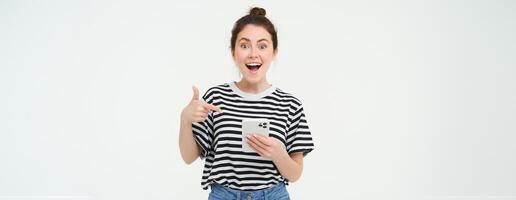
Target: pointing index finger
x,y
215,108
212,107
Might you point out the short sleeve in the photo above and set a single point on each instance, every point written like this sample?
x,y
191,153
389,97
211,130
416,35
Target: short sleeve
x,y
299,138
203,131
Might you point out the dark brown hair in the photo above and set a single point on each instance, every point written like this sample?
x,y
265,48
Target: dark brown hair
x,y
256,17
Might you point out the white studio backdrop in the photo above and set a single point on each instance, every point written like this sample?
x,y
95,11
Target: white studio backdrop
x,y
405,99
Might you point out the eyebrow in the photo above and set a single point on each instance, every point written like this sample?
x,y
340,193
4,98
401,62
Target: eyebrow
x,y
246,39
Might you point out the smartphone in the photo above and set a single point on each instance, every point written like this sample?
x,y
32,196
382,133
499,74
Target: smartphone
x,y
253,126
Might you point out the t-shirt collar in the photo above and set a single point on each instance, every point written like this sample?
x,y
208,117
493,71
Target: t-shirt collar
x,y
251,96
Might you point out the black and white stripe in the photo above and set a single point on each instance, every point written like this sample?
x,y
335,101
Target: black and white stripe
x,y
220,136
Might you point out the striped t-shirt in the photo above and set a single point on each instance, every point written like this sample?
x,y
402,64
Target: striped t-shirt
x,y
220,136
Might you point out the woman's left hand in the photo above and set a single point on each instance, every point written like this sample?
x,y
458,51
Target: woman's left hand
x,y
267,147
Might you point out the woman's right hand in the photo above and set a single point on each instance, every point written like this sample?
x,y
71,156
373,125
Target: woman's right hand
x,y
197,110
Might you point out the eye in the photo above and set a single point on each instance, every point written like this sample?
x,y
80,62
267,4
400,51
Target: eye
x,y
263,46
244,46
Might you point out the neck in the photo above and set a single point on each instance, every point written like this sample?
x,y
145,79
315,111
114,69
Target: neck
x,y
253,88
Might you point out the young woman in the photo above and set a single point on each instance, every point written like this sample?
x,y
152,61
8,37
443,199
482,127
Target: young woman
x,y
211,127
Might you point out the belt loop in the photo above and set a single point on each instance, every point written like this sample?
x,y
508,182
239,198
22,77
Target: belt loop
x,y
249,196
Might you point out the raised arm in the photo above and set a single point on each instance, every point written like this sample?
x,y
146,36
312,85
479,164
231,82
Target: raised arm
x,y
196,111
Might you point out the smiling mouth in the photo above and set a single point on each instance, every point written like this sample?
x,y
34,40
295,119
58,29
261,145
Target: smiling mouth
x,y
253,67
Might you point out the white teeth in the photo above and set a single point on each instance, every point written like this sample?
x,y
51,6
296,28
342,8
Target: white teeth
x,y
254,64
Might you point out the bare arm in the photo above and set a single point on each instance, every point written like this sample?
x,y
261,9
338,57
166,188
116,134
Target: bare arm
x,y
187,145
289,166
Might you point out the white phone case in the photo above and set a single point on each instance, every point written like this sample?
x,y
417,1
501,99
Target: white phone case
x,y
253,126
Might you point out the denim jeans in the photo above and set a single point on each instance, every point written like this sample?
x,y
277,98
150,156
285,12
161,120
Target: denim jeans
x,y
277,192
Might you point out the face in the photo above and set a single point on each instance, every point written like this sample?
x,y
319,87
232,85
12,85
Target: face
x,y
253,53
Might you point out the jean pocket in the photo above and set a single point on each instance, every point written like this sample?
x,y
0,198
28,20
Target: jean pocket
x,y
280,194
217,194
279,197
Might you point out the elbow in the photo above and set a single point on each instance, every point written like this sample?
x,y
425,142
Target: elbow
x,y
188,155
188,162
294,179
188,159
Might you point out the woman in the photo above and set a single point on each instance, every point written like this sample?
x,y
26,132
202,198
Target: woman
x,y
211,127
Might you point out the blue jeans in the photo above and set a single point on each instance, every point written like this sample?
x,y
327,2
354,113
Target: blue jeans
x,y
277,192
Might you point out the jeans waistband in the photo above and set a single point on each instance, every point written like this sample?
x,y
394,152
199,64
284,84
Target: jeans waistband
x,y
253,193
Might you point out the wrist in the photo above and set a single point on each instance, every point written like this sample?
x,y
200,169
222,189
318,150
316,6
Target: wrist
x,y
283,156
184,119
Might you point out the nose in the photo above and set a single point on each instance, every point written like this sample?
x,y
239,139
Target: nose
x,y
253,53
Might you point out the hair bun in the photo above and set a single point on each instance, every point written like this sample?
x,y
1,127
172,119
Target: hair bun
x,y
257,11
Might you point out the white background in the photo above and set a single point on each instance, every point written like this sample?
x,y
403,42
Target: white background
x,y
405,99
